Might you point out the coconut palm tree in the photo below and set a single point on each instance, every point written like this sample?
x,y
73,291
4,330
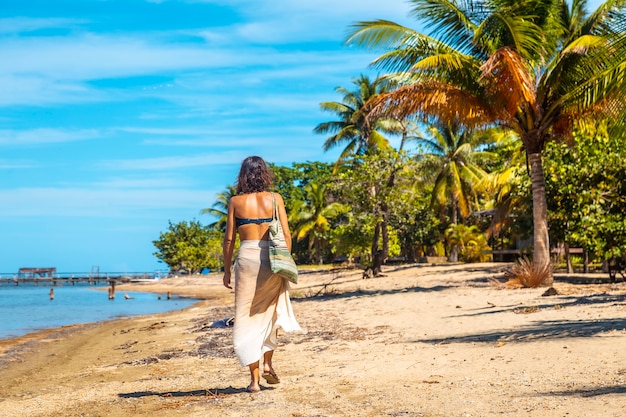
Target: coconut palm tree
x,y
219,209
312,217
451,155
532,66
353,129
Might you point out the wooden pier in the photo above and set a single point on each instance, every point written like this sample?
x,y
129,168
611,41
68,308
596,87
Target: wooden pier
x,y
50,277
63,281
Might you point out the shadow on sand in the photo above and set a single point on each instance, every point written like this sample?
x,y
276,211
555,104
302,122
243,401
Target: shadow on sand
x,y
207,393
327,290
550,303
550,329
592,392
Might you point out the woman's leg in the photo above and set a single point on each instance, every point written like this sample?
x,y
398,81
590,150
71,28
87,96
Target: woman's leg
x,y
254,377
268,370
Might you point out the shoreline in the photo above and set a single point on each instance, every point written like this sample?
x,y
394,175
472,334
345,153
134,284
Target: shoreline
x,y
428,341
195,287
200,287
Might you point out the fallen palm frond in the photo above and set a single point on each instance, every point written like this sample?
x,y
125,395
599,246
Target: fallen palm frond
x,y
527,274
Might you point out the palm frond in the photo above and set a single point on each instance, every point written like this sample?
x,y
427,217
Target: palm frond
x,y
440,190
432,101
377,141
380,34
603,85
334,107
602,20
329,127
213,212
424,54
453,22
304,230
510,84
507,30
444,62
583,44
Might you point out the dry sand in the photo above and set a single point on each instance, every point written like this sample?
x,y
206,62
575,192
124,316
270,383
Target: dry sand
x,y
421,341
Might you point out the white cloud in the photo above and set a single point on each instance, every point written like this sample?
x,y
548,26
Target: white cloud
x,y
288,21
94,202
39,136
314,10
102,56
57,69
172,162
20,89
140,183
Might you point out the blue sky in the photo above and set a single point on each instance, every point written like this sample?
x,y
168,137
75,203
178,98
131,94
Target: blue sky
x,y
117,116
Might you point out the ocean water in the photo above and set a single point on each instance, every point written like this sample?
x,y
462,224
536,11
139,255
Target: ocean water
x,y
27,308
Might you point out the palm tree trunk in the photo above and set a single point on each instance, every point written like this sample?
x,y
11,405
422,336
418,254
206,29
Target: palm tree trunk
x,y
376,252
454,250
541,239
318,249
385,233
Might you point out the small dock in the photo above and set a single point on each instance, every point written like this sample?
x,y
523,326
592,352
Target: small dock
x,y
60,281
50,277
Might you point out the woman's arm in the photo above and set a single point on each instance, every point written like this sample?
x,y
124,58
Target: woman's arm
x,y
229,244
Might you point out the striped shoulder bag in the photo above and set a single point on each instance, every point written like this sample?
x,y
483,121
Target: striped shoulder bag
x,y
281,261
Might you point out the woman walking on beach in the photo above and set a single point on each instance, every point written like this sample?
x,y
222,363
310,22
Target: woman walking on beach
x,y
262,302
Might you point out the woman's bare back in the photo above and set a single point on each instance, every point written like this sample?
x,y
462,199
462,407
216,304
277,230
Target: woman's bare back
x,y
252,206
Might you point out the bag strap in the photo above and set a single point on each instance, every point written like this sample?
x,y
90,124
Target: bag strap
x,y
275,208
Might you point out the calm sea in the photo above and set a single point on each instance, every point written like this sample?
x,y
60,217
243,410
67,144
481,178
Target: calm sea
x,y
27,307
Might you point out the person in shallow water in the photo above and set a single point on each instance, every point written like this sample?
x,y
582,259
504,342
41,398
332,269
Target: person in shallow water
x,y
262,302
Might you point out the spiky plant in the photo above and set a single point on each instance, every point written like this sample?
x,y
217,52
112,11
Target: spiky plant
x,y
527,274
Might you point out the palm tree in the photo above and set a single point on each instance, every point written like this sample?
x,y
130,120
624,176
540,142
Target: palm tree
x,y
312,217
219,209
451,155
353,129
532,66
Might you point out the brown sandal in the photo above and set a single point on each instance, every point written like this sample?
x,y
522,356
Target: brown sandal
x,y
271,377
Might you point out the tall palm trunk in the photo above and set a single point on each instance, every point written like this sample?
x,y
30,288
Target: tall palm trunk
x,y
385,233
318,250
379,229
454,250
376,252
541,239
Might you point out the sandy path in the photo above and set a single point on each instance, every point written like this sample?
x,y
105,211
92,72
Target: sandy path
x,y
422,341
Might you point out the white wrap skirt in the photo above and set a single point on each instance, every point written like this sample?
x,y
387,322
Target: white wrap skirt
x,y
262,303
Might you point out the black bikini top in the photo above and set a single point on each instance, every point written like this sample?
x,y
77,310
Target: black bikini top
x,y
241,221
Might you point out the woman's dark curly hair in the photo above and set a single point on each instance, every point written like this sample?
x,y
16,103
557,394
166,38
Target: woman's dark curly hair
x,y
254,176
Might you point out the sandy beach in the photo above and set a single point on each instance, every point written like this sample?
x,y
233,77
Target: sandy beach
x,y
423,340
